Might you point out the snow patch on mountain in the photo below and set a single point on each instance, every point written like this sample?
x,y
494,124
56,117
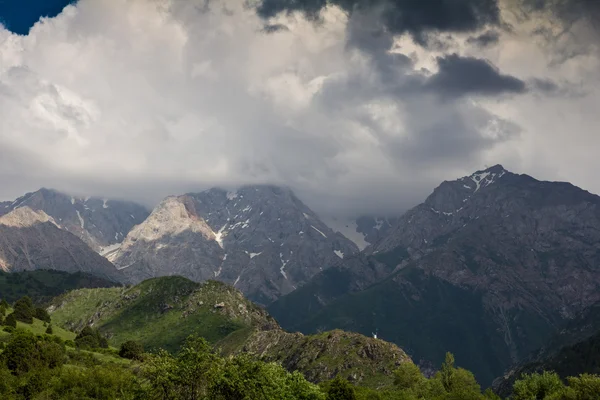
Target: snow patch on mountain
x,y
324,235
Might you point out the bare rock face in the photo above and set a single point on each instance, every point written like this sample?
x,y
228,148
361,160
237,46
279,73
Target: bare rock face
x,y
100,223
261,239
31,240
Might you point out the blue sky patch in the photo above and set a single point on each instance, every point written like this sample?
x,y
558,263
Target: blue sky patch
x,y
19,16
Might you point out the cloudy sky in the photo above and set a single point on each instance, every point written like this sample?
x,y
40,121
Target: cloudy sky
x,y
359,105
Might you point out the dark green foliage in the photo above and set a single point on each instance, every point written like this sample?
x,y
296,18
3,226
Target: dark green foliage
x,y
408,376
49,330
31,367
132,350
546,385
43,285
6,382
41,314
340,389
244,378
4,306
197,372
26,352
10,321
24,310
90,338
584,387
105,382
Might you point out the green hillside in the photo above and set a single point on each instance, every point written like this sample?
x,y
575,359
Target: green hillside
x,y
160,312
163,312
39,328
323,356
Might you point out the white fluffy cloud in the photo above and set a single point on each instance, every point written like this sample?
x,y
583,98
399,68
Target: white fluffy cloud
x,y
142,98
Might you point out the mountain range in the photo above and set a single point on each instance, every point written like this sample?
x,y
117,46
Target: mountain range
x,y
261,239
490,266
101,223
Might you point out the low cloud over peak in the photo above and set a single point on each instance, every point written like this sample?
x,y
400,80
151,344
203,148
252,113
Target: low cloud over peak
x,y
140,99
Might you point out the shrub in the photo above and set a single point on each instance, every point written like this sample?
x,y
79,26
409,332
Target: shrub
x,y
90,338
3,307
42,314
340,389
132,350
25,352
49,330
24,310
10,321
537,386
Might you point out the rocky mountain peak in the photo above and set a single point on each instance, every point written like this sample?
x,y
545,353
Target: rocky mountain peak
x,y
451,196
99,222
31,239
25,217
174,215
262,239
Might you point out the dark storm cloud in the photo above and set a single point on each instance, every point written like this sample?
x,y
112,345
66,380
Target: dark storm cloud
x,y
459,76
568,11
570,28
486,39
417,17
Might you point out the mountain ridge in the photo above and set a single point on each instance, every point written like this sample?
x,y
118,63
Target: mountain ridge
x,y
99,222
30,240
261,238
522,250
